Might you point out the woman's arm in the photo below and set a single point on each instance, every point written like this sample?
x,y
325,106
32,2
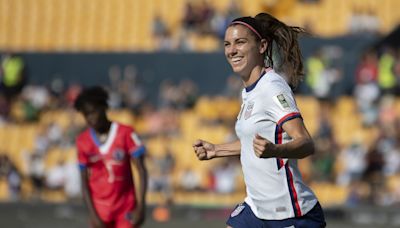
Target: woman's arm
x,y
140,212
205,150
301,146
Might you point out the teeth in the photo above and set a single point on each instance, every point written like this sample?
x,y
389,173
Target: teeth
x,y
236,59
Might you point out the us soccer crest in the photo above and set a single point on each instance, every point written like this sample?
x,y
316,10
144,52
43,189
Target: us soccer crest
x,y
249,110
118,155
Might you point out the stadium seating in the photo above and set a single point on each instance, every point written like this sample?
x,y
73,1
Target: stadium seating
x,y
199,122
103,25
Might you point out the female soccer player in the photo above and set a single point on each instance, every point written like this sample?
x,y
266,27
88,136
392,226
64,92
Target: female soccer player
x,y
264,52
106,151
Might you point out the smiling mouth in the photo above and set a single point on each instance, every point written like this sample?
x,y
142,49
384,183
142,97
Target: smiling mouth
x,y
236,60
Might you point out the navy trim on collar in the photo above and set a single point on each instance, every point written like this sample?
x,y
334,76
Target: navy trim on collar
x,y
252,86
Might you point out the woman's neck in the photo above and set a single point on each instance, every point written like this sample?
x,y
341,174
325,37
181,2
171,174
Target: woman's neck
x,y
254,75
104,128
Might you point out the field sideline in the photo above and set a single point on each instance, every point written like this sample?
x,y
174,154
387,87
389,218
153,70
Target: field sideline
x,y
41,215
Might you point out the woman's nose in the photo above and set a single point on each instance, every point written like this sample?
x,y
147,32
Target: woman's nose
x,y
231,49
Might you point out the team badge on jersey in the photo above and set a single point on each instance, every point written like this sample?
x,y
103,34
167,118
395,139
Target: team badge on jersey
x,y
118,155
249,110
237,210
281,101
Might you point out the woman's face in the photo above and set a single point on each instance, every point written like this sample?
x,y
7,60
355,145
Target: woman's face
x,y
242,50
95,116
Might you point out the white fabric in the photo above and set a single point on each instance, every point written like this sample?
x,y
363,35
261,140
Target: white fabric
x,y
110,139
267,187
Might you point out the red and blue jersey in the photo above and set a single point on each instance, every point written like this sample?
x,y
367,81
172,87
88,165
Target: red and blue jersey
x,y
109,166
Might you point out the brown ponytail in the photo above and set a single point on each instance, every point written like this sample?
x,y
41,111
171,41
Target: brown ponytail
x,y
285,38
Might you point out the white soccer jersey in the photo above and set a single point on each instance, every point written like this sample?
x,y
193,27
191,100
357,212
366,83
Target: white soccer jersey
x,y
274,186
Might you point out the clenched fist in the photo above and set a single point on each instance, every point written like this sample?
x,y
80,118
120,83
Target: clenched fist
x,y
204,150
262,147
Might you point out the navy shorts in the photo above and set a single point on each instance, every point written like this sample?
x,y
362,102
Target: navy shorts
x,y
243,217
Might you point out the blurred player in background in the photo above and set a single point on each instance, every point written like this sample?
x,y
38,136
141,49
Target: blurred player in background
x,y
264,52
106,151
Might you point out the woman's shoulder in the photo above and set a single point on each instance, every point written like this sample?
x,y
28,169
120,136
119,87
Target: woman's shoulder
x,y
275,82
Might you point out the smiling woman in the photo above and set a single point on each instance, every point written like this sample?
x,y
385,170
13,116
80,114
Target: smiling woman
x,y
265,53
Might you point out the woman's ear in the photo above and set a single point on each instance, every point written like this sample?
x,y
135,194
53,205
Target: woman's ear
x,y
263,46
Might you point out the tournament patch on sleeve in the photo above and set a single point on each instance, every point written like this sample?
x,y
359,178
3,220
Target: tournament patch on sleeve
x,y
281,101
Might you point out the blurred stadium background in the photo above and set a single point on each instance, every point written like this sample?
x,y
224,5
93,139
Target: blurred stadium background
x,y
162,62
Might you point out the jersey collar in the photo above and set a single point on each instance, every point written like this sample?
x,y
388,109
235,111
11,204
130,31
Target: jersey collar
x,y
252,86
103,148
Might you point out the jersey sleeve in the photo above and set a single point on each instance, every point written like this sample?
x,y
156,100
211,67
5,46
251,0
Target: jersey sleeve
x,y
134,144
281,105
82,158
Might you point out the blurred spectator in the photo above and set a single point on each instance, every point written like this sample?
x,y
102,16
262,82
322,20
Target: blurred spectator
x,y
36,172
387,146
71,132
55,176
358,194
162,35
353,161
37,95
71,93
159,26
373,174
115,77
54,134
205,13
387,112
323,76
134,93
72,181
188,96
324,159
42,142
13,77
386,78
4,165
225,175
160,179
233,11
190,180
315,77
9,172
56,90
4,109
364,22
366,91
190,13
14,179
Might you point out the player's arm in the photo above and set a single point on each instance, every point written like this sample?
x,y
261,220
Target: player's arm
x,y
141,190
137,153
301,146
205,150
88,199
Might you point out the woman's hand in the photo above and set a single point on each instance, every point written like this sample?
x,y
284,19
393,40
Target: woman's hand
x,y
263,148
204,150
